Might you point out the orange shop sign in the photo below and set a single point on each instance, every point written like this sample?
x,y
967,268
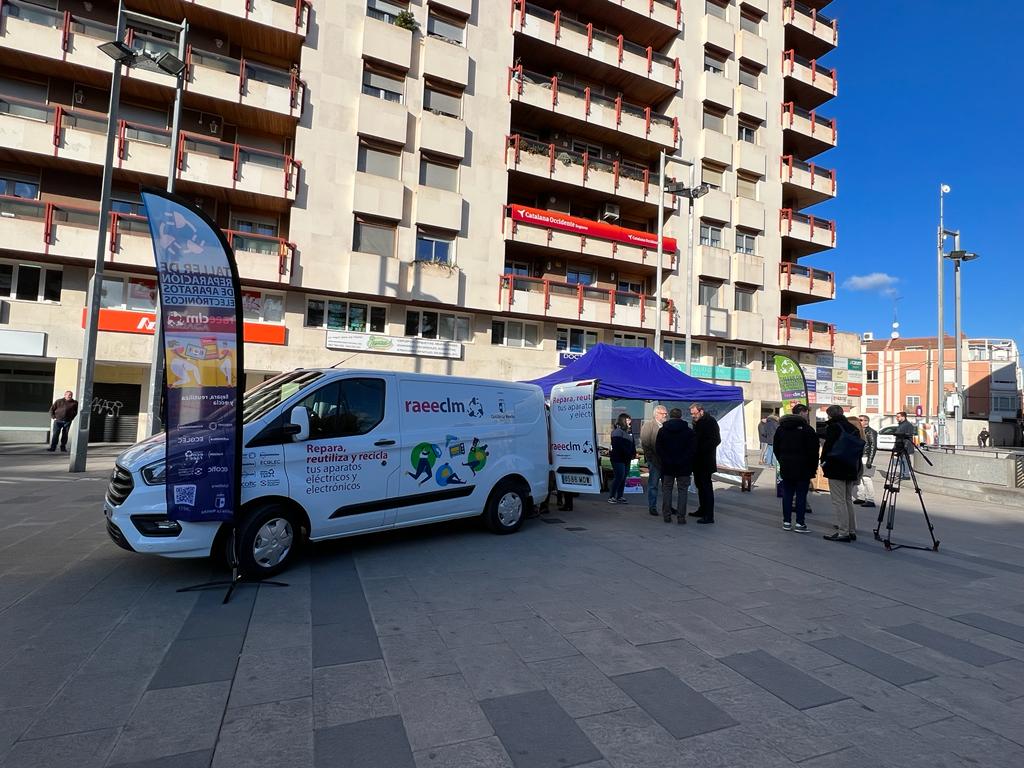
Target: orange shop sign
x,y
589,228
124,321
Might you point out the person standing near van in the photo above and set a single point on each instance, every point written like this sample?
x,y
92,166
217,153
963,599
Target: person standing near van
x,y
63,412
866,488
648,442
841,464
675,446
623,452
796,447
705,461
905,434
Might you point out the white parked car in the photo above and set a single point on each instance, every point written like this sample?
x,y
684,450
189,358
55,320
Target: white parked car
x,y
886,438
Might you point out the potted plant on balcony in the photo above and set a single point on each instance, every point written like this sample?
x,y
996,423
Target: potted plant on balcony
x,y
406,20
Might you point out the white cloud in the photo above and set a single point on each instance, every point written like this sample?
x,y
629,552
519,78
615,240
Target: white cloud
x,y
880,282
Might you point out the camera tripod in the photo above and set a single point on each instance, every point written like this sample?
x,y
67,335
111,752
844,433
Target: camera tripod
x,y
893,479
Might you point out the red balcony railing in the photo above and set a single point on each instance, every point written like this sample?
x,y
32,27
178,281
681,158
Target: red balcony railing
x,y
788,270
787,216
49,214
509,284
790,59
558,154
819,176
790,8
787,324
818,123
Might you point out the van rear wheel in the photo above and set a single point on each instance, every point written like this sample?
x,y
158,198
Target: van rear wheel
x,y
268,541
507,507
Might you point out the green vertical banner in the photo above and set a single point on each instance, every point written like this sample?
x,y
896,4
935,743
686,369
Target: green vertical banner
x,y
791,381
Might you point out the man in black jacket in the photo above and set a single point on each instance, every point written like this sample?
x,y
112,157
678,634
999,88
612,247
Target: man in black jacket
x,y
675,445
63,412
866,487
796,449
705,461
905,434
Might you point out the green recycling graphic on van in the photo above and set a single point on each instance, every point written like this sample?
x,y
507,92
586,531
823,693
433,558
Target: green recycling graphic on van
x,y
425,456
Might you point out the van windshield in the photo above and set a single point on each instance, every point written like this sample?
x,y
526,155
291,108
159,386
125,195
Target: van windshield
x,y
271,393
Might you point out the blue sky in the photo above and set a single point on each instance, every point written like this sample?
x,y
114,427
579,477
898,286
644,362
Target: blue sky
x,y
929,93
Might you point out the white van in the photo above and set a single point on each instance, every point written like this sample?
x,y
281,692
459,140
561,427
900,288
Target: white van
x,y
330,453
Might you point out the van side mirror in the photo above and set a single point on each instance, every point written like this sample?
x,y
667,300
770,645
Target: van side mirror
x,y
298,426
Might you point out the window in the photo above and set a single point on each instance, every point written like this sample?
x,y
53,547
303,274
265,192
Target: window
x,y
575,339
578,276
582,147
255,226
383,83
744,299
134,293
520,268
512,333
768,360
28,282
675,350
747,131
13,185
712,175
750,22
707,294
448,28
714,62
872,377
440,173
714,120
717,8
629,340
373,236
345,408
131,206
437,325
436,247
746,242
750,76
385,10
731,357
913,401
871,401
338,315
441,99
746,186
914,376
949,375
262,307
630,286
379,159
710,234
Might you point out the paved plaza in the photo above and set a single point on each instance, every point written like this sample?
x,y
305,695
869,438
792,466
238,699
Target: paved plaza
x,y
599,637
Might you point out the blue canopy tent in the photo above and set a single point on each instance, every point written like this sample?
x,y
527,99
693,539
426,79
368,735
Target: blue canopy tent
x,y
638,373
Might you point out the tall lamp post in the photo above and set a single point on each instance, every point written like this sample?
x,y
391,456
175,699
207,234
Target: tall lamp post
x,y
957,256
123,56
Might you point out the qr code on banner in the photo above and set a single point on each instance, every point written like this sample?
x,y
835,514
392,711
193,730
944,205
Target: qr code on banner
x,y
185,495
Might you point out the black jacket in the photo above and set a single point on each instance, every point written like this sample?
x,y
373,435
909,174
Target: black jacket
x,y
870,445
796,448
623,447
908,431
64,410
832,469
675,447
705,460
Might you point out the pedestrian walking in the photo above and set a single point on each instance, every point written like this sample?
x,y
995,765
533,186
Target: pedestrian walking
x,y
762,437
623,452
983,438
866,487
769,453
63,412
795,446
675,446
648,442
841,464
905,434
705,462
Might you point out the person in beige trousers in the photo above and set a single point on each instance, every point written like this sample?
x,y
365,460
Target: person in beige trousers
x,y
843,477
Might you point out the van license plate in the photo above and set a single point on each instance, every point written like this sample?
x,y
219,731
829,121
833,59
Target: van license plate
x,y
575,479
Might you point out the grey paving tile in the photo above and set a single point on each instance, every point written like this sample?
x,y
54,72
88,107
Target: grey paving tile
x,y
482,753
211,617
787,682
345,642
565,616
335,588
535,640
697,669
440,710
612,654
948,645
416,655
473,633
195,710
579,687
352,692
198,660
537,733
724,616
377,743
90,703
737,747
993,625
871,660
851,757
901,707
273,675
747,702
32,677
74,750
629,737
678,708
278,733
265,635
972,741
494,670
13,723
200,759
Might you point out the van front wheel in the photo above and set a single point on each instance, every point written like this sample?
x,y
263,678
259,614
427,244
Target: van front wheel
x,y
268,541
507,507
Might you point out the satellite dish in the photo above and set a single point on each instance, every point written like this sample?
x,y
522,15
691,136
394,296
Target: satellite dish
x,y
895,334
946,189
895,325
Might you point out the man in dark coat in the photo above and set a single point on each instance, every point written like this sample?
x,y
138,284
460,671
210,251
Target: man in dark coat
x,y
63,412
905,434
675,446
705,461
796,449
843,476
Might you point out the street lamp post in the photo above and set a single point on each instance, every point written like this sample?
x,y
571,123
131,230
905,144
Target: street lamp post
x,y
940,411
123,56
957,256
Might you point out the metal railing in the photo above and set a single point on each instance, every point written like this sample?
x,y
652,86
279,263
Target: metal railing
x,y
558,155
508,285
787,163
817,70
794,7
788,270
787,216
787,324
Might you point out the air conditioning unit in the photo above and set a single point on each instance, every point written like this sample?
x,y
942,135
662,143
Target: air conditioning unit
x,y
610,212
867,336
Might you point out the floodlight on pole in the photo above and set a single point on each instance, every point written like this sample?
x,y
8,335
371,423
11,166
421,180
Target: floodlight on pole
x,y
957,256
119,51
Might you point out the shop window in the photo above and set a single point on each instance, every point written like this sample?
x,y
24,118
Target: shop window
x,y
262,307
575,340
337,315
29,282
513,333
437,325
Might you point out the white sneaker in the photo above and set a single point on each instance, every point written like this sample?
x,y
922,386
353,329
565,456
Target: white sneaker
x,y
787,526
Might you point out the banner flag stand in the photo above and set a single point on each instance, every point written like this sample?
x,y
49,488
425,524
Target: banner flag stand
x,y
201,321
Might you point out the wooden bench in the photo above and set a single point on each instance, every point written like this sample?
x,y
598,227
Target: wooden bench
x,y
746,477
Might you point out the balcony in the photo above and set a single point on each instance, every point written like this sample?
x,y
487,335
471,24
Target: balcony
x,y
538,297
805,132
805,184
643,72
66,134
578,169
60,36
713,262
291,16
609,120
445,61
793,331
803,235
748,268
386,42
538,231
710,321
809,285
747,326
808,31
806,81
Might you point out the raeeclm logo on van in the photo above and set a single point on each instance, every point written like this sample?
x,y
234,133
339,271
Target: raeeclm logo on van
x,y
474,408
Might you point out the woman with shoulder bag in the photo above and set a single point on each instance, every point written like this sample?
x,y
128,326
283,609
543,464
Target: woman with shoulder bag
x,y
623,452
841,464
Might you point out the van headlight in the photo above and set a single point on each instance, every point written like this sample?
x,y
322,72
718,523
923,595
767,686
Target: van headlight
x,y
155,473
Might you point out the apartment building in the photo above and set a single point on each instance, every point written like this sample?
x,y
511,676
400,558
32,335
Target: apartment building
x,y
903,375
428,185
